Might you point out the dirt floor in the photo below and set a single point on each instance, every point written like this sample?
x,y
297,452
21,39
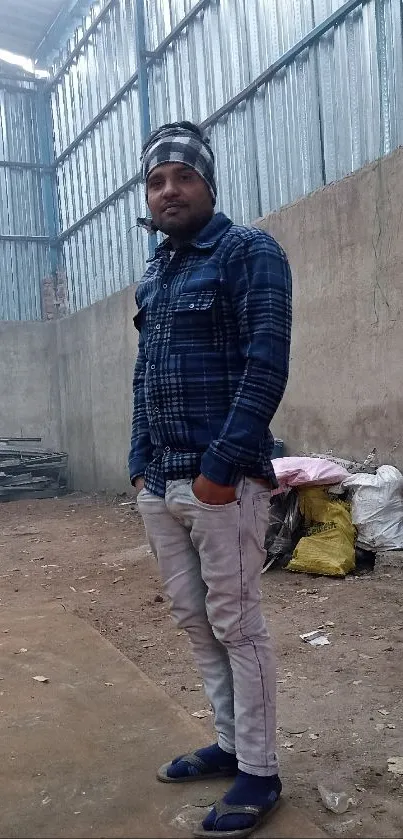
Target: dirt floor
x,y
340,707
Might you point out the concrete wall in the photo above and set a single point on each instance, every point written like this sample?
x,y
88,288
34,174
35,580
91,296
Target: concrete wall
x,y
96,350
29,382
345,245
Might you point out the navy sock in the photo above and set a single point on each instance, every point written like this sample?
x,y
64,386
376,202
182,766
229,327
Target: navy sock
x,y
247,789
215,758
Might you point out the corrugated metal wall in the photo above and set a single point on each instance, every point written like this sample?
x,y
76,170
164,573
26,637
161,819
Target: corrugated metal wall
x,y
295,93
24,260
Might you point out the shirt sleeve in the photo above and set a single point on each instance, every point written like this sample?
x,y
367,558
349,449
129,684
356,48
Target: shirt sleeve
x,y
257,279
140,447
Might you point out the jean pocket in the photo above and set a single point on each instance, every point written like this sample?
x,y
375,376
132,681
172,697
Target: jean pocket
x,y
205,506
261,503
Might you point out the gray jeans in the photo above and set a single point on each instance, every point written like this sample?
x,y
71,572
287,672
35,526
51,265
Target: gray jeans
x,y
210,559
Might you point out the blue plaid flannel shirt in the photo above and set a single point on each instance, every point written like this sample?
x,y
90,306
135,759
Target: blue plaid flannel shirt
x,y
214,325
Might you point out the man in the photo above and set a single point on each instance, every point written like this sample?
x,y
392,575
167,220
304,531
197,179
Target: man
x,y
214,317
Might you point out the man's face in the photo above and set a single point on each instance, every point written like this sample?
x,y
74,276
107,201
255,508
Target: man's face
x,y
179,199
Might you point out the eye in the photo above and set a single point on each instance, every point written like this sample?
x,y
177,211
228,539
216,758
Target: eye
x,y
156,183
186,176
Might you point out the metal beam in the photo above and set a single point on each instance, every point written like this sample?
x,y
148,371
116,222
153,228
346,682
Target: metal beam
x,y
16,164
13,237
101,206
77,49
52,39
333,20
151,57
48,179
17,77
13,88
88,128
199,7
143,98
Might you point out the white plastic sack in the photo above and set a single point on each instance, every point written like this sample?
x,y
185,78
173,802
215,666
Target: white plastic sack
x,y
312,471
377,509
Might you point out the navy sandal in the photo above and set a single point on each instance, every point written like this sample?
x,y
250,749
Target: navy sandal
x,y
223,809
199,770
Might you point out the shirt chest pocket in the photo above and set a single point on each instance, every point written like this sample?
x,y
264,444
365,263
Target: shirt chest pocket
x,y
194,318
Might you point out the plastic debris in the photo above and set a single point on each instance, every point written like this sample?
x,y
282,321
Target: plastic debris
x,y
337,802
395,765
383,712
316,638
202,714
377,509
118,580
40,679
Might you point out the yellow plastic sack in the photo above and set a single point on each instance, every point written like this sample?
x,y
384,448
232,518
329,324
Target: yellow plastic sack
x,y
329,546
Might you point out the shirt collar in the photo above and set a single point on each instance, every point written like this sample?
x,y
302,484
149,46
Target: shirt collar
x,y
206,238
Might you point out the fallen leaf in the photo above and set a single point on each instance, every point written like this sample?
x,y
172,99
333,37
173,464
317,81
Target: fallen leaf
x,y
40,678
109,684
383,712
72,588
313,736
146,646
287,745
360,789
390,725
22,650
329,692
118,580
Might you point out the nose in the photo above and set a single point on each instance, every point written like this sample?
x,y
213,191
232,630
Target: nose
x,y
171,189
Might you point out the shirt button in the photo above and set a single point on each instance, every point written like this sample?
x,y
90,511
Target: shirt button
x,y
191,305
156,410
167,449
158,326
165,285
152,366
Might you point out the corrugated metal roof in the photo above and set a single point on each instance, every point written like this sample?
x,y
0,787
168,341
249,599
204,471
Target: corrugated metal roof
x,y
23,23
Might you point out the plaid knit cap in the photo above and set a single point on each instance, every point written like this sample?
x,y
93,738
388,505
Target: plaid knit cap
x,y
180,142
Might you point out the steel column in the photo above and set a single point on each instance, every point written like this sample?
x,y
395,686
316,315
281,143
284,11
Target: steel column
x,y
49,190
144,102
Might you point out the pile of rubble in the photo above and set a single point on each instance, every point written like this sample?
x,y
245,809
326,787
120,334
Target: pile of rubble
x,y
27,472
